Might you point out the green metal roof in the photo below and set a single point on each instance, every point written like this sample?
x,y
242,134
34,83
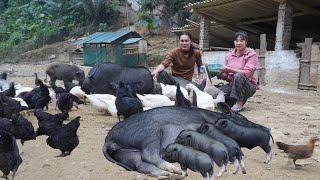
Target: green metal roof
x,y
132,40
102,37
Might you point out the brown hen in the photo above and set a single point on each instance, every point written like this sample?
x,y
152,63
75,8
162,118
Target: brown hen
x,y
296,152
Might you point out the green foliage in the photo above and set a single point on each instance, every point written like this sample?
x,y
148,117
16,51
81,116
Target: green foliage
x,y
146,19
26,24
171,12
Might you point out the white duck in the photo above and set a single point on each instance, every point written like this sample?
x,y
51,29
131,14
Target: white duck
x,y
77,91
21,101
219,98
111,106
19,89
204,100
210,88
171,90
103,103
105,96
96,103
155,100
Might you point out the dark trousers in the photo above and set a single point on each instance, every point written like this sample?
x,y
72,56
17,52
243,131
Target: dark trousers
x,y
166,78
240,89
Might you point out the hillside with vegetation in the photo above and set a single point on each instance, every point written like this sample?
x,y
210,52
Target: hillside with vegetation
x,y
28,25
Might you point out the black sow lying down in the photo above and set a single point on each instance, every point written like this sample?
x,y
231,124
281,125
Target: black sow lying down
x,y
189,158
216,150
234,151
101,78
248,137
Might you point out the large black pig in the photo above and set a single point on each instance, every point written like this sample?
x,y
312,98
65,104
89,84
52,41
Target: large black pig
x,y
151,131
102,77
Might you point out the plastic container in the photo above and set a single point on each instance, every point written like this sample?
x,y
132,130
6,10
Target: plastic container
x,y
214,67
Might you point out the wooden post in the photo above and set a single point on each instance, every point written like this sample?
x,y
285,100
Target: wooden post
x,y
305,65
284,26
204,33
261,63
318,83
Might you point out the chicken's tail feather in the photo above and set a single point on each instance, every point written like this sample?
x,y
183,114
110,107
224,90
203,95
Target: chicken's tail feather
x,y
282,146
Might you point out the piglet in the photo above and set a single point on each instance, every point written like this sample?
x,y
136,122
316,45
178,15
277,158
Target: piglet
x,y
234,151
216,150
249,137
189,158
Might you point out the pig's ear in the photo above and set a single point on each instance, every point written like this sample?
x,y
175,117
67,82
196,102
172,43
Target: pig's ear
x,y
224,108
224,123
78,74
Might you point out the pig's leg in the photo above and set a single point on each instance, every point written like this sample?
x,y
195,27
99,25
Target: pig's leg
x,y
243,169
151,154
236,165
184,171
53,82
222,170
147,168
169,135
208,175
267,149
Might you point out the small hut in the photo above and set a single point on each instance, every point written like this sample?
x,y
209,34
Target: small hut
x,y
121,47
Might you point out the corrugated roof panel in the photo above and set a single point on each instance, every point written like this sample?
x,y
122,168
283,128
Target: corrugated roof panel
x,y
108,37
132,40
88,38
102,37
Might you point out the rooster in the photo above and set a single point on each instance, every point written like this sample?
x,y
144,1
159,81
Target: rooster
x,y
296,152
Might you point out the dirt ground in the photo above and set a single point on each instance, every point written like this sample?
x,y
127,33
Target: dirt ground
x,y
292,115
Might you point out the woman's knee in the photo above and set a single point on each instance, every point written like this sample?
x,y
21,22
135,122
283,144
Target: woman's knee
x,y
239,76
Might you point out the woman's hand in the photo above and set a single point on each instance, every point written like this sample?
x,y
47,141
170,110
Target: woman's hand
x,y
224,68
157,70
154,74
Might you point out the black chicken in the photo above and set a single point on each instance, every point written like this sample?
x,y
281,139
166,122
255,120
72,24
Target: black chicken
x,y
38,97
11,92
65,137
3,76
22,128
48,122
9,106
37,80
65,101
10,159
180,99
126,104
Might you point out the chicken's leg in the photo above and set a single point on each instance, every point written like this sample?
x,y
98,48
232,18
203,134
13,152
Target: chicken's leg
x,y
297,166
63,154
